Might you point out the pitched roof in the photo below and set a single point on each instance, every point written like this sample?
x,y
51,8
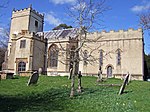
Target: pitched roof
x,y
64,33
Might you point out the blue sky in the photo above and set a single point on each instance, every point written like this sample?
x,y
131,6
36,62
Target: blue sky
x,y
123,13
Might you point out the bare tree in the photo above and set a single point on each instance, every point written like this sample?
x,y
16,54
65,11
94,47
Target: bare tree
x,y
85,14
4,36
145,20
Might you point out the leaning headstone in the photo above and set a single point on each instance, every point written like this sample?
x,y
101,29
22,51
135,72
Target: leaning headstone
x,y
124,84
130,78
33,78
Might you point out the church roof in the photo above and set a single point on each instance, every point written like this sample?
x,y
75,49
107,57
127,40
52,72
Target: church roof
x,y
64,33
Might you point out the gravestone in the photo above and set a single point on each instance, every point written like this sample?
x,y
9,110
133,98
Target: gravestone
x,y
40,71
125,82
79,90
99,79
33,78
130,78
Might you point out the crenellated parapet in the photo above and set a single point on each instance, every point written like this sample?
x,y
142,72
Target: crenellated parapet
x,y
130,34
24,33
28,9
28,34
113,31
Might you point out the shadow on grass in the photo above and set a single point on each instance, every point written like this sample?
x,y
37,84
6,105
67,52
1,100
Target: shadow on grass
x,y
125,92
87,91
15,78
52,100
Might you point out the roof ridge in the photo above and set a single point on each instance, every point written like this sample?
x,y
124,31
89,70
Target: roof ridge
x,y
60,30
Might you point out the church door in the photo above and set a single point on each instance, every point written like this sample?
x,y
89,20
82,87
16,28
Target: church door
x,y
109,71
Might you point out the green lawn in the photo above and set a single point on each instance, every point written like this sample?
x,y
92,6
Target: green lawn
x,y
51,94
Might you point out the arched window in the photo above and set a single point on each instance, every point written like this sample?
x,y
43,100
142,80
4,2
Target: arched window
x,y
53,56
21,66
85,57
101,57
118,57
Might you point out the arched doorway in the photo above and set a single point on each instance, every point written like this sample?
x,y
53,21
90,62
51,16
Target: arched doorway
x,y
109,71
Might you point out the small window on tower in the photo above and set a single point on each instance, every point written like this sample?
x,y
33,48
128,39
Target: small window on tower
x,y
36,23
22,43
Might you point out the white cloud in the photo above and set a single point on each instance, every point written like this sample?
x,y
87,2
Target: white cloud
x,y
51,19
140,8
62,1
2,31
79,6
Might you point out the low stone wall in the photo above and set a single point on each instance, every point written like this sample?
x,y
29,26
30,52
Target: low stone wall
x,y
119,76
57,73
132,77
26,73
4,75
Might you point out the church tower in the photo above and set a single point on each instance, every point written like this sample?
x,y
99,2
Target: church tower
x,y
25,45
26,20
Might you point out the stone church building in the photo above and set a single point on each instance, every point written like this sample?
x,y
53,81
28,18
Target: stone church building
x,y
30,48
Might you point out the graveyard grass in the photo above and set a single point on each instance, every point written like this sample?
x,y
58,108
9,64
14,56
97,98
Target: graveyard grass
x,y
51,94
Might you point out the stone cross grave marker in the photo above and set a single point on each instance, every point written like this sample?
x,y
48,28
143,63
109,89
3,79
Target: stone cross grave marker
x,y
99,79
124,84
79,90
33,78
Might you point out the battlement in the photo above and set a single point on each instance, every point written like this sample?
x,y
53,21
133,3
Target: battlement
x,y
28,9
25,33
113,31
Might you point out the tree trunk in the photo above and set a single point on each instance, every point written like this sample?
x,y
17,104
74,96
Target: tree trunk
x,y
73,80
70,74
74,72
79,85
